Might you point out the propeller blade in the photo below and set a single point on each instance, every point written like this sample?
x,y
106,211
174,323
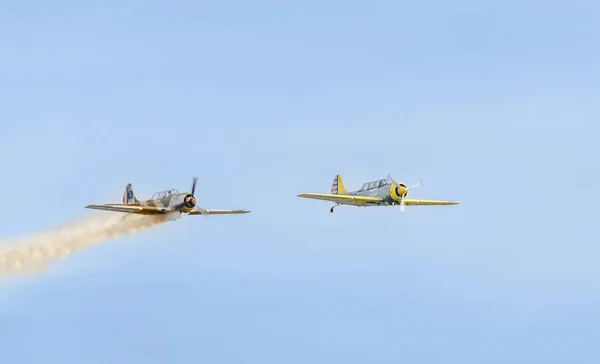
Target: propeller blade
x,y
194,185
416,185
389,176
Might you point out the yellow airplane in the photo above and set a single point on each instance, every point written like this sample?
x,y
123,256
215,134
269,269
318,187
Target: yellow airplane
x,y
383,192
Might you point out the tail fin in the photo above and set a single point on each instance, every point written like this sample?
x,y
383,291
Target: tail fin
x,y
337,188
128,195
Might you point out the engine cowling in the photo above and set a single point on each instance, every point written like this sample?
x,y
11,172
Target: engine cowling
x,y
189,201
396,192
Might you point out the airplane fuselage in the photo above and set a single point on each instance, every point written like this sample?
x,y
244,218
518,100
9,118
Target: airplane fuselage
x,y
389,193
182,202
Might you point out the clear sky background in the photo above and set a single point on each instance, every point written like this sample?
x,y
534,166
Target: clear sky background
x,y
494,104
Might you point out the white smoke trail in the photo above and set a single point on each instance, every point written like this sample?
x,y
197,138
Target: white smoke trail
x,y
31,255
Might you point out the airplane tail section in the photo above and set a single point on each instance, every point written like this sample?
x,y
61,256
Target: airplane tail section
x,y
337,188
129,195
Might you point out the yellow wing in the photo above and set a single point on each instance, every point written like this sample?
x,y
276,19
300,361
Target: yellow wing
x,y
413,202
343,199
216,212
131,209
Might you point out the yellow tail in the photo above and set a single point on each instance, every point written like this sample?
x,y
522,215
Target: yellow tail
x,y
337,188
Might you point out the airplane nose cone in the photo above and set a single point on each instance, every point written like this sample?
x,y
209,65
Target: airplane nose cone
x,y
402,191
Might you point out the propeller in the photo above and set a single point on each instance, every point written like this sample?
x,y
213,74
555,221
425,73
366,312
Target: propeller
x,y
201,210
416,185
194,184
190,199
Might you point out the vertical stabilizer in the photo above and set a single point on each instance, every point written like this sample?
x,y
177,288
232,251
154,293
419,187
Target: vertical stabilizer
x,y
337,187
129,196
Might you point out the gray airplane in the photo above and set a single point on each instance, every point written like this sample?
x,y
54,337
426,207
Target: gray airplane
x,y
383,192
161,203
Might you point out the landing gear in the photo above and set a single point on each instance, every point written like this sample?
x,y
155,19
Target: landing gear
x,y
331,209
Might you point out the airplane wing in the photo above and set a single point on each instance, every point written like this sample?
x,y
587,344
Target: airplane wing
x,y
343,199
131,209
216,212
413,202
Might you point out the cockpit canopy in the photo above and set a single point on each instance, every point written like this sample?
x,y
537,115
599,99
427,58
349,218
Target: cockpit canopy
x,y
375,184
164,194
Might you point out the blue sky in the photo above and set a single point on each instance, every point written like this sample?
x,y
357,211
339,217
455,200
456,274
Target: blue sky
x,y
494,104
